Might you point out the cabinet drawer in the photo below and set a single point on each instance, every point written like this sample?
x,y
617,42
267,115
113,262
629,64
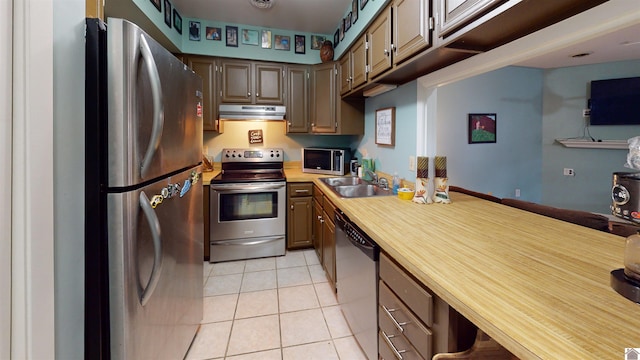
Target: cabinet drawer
x,y
408,290
386,344
300,189
396,319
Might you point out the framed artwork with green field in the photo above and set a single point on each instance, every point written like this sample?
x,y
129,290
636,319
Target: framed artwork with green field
x,y
482,128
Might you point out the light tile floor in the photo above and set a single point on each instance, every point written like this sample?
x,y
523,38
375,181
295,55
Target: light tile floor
x,y
279,308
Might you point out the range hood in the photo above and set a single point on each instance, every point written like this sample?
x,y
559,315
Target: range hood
x,y
251,112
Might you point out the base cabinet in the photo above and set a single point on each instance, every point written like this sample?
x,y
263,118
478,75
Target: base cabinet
x,y
206,220
324,234
299,226
413,321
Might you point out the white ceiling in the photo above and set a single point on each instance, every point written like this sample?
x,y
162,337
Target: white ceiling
x,y
323,17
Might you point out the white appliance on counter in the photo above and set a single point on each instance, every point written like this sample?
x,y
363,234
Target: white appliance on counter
x,y
143,209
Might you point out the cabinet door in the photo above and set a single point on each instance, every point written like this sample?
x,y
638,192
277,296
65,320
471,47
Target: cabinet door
x,y
455,13
269,84
410,28
316,222
323,98
359,62
344,73
297,98
379,35
299,223
207,68
236,81
207,221
329,248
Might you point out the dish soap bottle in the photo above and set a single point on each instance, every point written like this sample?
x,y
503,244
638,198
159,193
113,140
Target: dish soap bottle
x,y
395,183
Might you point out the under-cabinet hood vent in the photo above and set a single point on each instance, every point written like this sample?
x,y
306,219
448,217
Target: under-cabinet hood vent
x,y
252,112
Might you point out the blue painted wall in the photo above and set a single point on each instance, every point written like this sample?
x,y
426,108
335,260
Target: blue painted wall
x,y
390,159
566,91
514,161
244,51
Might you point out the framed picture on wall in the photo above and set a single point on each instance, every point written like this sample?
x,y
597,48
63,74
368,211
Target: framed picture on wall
x,y
300,44
250,37
482,128
157,4
194,30
213,33
167,13
266,39
386,126
232,36
177,21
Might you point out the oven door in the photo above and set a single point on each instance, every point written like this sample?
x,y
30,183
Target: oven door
x,y
247,210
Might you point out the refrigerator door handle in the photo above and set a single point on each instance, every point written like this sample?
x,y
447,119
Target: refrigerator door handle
x,y
158,109
154,225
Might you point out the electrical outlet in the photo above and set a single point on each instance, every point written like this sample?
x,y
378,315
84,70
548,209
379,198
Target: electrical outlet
x,y
586,112
568,172
517,193
412,163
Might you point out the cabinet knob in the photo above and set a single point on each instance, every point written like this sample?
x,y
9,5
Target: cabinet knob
x,y
386,52
248,94
393,47
257,94
291,207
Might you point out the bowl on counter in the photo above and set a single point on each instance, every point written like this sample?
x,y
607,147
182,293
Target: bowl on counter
x,y
405,193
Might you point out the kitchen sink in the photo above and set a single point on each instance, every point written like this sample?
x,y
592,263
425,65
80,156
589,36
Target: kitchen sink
x,y
345,180
353,187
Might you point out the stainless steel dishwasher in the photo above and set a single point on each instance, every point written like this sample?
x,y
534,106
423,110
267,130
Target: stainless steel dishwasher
x,y
357,261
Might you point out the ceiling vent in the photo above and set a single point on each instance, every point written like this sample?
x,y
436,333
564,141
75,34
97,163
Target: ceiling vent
x,y
262,4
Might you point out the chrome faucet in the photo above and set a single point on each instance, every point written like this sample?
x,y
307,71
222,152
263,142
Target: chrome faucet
x,y
383,183
373,175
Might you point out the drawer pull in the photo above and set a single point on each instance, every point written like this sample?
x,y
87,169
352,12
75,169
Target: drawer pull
x,y
399,325
387,339
301,191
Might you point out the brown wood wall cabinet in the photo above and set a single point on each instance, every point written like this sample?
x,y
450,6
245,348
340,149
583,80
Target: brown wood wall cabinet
x,y
299,224
405,43
297,98
330,114
250,82
208,69
324,230
353,66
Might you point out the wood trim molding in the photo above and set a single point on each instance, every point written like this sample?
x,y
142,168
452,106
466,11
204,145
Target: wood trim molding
x,y
6,34
95,9
32,230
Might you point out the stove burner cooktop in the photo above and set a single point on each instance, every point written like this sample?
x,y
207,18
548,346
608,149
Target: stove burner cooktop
x,y
251,165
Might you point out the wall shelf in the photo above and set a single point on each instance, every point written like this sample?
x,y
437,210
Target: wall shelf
x,y
589,144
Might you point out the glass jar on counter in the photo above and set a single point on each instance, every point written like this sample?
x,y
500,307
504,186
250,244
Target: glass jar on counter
x,y
632,257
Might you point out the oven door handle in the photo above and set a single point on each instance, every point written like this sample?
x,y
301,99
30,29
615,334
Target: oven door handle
x,y
239,188
248,243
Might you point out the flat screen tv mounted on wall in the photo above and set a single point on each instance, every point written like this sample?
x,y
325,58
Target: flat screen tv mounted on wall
x,y
615,102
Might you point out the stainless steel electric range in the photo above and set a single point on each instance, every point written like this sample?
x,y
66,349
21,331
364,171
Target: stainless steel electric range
x,y
248,204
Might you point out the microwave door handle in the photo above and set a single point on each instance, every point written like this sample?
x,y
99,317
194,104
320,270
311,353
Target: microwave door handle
x,y
158,109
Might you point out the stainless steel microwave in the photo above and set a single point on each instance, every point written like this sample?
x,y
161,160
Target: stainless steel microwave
x,y
329,161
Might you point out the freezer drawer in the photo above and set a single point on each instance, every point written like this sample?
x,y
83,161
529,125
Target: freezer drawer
x,y
155,269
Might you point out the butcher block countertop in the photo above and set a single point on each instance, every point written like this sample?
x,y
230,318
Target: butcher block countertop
x,y
538,286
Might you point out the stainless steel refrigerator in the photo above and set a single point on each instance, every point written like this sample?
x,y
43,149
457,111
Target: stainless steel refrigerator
x,y
143,197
